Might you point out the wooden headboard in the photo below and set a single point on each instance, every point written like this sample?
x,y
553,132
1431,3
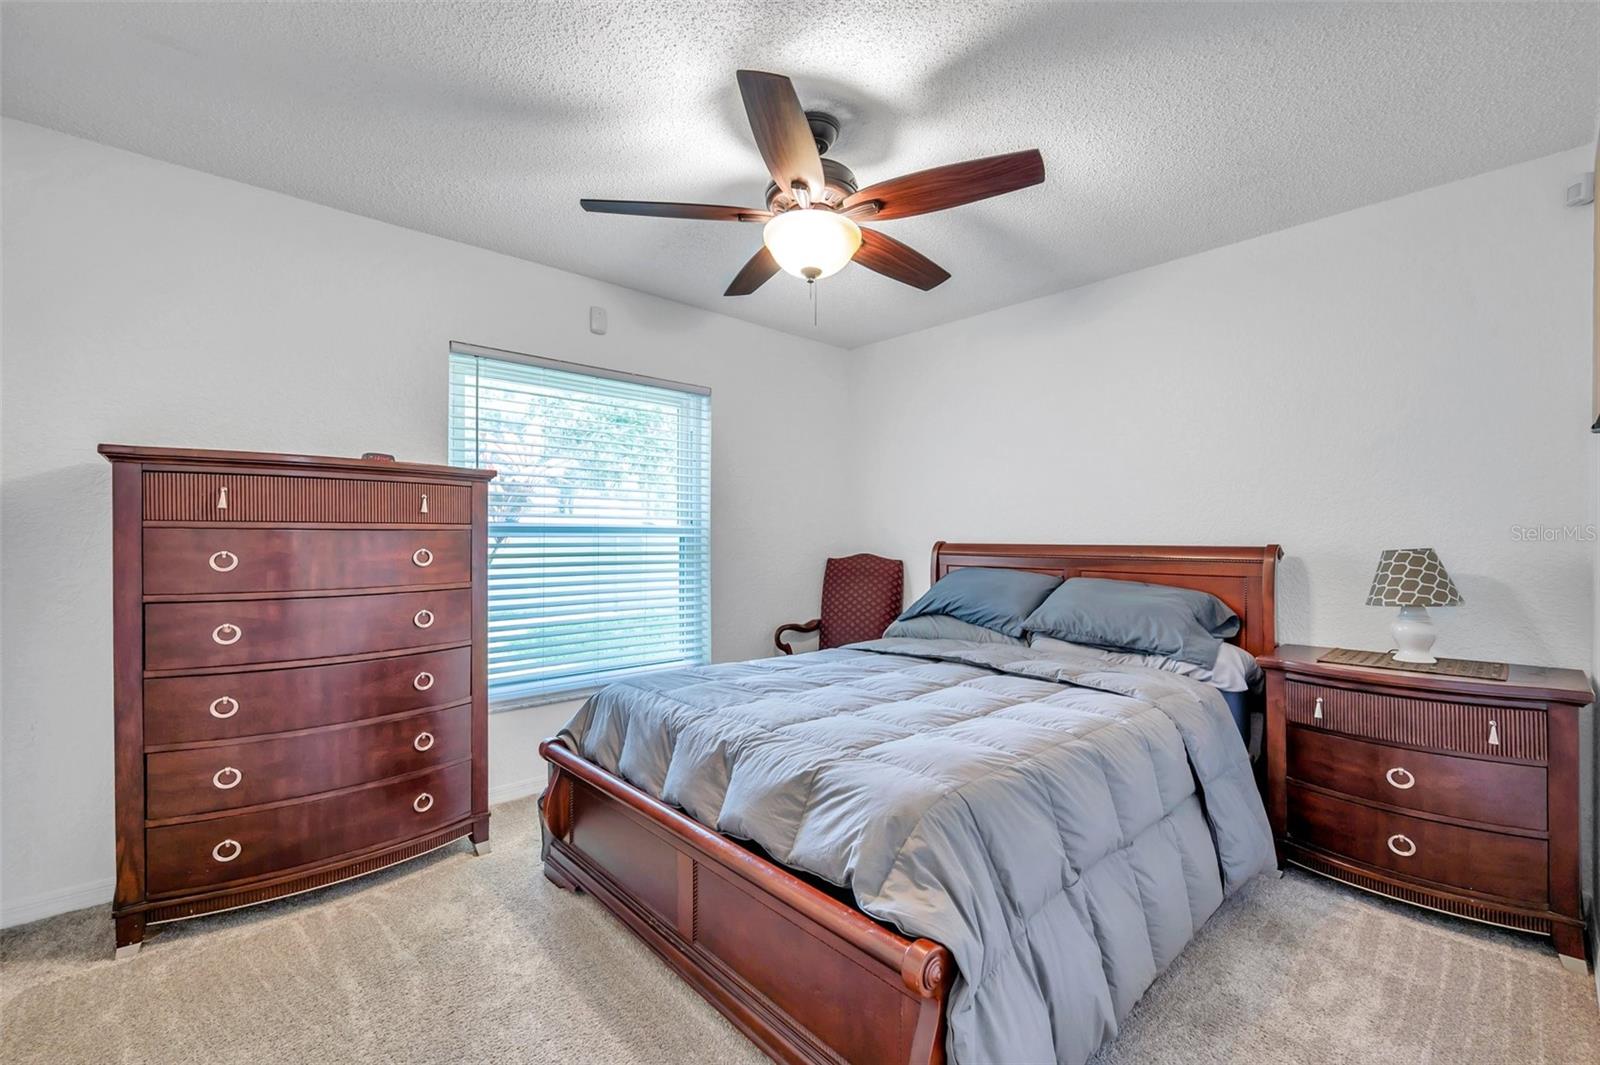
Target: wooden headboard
x,y
1242,577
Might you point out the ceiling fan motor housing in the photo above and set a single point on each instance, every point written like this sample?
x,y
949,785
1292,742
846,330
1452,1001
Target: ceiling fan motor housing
x,y
839,183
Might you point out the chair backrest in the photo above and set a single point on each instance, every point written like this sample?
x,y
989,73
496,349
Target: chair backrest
x,y
861,594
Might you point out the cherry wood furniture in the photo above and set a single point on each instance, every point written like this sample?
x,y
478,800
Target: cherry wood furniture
x,y
1454,794
802,972
861,594
300,660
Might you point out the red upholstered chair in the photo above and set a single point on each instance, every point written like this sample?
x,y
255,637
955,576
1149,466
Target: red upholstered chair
x,y
860,595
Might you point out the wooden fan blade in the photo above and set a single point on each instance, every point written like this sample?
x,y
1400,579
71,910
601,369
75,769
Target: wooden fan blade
x,y
782,133
755,273
951,186
651,209
893,259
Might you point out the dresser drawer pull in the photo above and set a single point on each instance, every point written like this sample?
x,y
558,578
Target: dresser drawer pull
x,y
422,557
1317,711
231,846
228,773
424,509
423,741
423,619
423,681
1494,734
422,803
224,707
1400,778
226,633
224,561
222,498
1397,842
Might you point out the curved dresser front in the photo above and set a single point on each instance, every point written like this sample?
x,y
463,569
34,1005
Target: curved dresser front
x,y
301,661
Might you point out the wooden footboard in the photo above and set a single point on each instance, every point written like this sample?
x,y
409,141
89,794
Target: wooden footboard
x,y
807,977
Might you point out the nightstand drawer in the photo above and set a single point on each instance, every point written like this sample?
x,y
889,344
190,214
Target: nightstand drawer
x,y
1509,867
1467,728
1472,789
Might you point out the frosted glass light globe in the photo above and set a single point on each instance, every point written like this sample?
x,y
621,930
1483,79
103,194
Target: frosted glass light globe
x,y
811,242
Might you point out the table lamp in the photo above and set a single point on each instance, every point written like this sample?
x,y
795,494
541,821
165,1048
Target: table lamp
x,y
1413,579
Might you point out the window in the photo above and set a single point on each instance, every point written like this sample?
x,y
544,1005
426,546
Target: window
x,y
599,522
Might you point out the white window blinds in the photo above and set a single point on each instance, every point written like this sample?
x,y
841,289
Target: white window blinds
x,y
599,522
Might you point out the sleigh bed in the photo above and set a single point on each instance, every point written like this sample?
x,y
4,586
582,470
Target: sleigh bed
x,y
786,955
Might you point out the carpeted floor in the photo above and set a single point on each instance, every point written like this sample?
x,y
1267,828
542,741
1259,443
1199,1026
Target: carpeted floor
x,y
462,959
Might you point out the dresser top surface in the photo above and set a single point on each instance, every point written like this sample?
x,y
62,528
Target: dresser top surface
x,y
1536,682
203,457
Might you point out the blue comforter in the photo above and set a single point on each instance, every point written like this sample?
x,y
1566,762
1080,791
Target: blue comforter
x,y
1063,828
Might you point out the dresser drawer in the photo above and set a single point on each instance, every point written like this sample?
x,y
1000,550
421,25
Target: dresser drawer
x,y
220,850
1468,728
203,635
1510,867
228,776
219,706
285,499
1472,789
215,560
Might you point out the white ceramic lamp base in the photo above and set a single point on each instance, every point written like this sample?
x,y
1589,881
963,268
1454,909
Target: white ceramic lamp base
x,y
1414,635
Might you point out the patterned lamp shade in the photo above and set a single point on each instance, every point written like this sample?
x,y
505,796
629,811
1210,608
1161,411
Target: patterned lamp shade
x,y
1412,576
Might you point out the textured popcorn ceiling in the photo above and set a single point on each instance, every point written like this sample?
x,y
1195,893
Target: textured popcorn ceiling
x,y
1166,129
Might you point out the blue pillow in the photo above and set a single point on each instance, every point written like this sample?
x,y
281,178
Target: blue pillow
x,y
945,627
1129,616
998,599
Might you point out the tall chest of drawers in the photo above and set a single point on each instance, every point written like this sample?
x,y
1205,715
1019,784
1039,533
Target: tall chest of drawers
x,y
300,673
1454,794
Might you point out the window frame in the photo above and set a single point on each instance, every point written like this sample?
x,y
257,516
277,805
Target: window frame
x,y
697,437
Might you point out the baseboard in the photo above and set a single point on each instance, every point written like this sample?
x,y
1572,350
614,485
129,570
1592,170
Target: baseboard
x,y
516,789
98,892
51,903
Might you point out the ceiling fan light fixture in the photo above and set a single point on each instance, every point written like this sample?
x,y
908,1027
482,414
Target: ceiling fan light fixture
x,y
811,243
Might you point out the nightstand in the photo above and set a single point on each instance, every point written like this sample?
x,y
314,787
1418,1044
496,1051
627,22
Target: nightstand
x,y
1449,793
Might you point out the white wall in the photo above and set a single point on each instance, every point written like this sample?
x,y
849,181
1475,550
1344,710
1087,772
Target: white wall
x,y
1411,373
149,304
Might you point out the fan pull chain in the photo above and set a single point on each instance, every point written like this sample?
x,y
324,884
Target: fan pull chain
x,y
812,285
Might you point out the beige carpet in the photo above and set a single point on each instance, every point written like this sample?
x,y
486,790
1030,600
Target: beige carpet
x,y
462,959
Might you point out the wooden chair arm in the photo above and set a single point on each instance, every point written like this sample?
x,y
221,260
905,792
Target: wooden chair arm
x,y
777,637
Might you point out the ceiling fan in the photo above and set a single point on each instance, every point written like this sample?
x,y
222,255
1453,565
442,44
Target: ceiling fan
x,y
814,207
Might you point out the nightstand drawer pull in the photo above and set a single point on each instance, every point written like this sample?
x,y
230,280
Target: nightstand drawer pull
x,y
228,847
423,741
1400,778
1494,734
1317,713
226,633
422,557
224,707
422,803
229,774
423,619
223,561
1398,841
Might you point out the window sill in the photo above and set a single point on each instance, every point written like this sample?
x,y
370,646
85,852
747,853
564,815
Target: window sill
x,y
527,702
